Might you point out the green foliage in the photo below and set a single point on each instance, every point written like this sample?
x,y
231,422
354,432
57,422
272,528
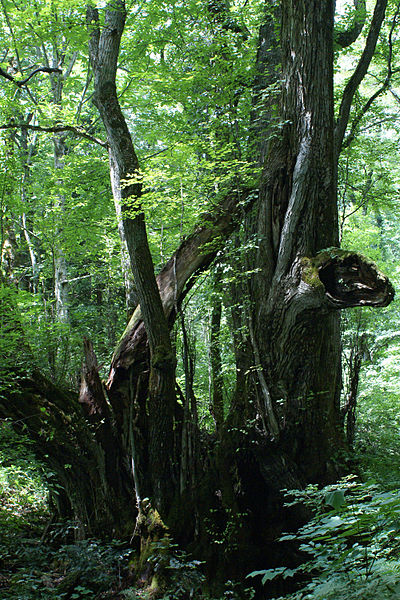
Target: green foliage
x,y
81,570
23,492
13,351
185,82
352,543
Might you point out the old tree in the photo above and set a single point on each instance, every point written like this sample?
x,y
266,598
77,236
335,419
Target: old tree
x,y
135,441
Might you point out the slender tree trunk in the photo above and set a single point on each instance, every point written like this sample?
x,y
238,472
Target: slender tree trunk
x,y
188,470
126,186
60,150
27,152
348,412
60,262
217,383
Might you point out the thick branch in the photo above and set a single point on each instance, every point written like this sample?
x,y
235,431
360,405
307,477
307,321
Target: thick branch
x,y
22,82
359,73
124,167
194,255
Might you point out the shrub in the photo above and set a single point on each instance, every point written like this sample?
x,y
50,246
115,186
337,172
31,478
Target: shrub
x,y
352,543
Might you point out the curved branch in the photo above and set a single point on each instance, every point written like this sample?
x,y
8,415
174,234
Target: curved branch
x,y
57,129
21,83
359,73
347,37
356,121
194,254
385,85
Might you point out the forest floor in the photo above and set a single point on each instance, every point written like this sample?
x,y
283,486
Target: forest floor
x,y
351,545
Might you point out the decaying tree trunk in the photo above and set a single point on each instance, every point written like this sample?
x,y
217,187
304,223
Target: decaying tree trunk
x,y
302,281
84,458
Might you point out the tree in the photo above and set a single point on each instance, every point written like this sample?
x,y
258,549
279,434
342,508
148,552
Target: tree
x,y
284,425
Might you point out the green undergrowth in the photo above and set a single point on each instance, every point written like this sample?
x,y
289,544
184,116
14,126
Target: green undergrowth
x,y
40,559
23,493
351,546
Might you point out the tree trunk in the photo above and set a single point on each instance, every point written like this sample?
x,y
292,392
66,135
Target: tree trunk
x,y
298,290
126,186
217,382
359,349
298,339
60,262
60,150
27,151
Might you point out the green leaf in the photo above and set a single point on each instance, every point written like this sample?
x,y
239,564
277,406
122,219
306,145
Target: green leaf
x,y
335,499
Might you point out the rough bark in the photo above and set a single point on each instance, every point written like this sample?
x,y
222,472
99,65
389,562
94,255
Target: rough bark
x,y
298,289
297,216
